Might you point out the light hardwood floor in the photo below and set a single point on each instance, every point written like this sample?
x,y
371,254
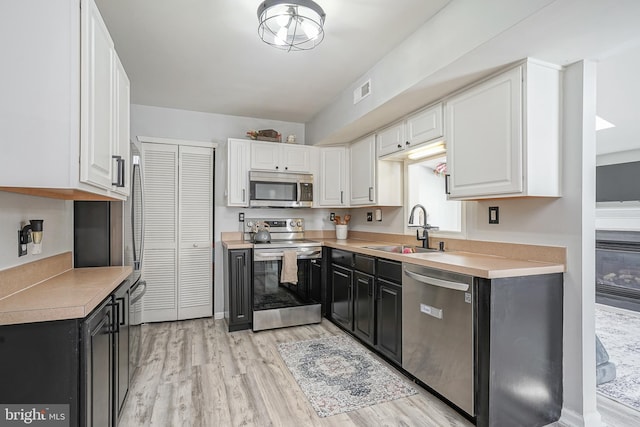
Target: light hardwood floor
x,y
195,373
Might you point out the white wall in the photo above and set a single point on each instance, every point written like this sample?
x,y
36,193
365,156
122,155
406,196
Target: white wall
x,y
197,126
16,210
432,47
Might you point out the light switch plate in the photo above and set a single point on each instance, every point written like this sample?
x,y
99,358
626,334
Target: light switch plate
x,y
494,215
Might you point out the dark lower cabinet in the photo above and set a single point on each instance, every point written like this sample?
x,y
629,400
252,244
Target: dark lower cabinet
x,y
342,296
389,309
98,386
74,362
238,296
315,280
364,307
389,320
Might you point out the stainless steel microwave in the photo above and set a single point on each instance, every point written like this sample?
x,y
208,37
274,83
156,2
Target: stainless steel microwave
x,y
280,190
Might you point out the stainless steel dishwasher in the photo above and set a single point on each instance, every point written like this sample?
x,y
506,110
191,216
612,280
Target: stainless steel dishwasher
x,y
438,333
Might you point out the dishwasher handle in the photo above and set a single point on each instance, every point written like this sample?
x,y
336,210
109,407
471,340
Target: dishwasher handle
x,y
456,286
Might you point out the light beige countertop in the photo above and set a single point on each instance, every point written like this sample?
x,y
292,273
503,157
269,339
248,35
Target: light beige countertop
x,y
72,294
474,264
479,265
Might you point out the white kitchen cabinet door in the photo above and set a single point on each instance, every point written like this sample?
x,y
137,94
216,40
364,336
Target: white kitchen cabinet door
x,y
97,134
160,267
121,126
195,297
503,135
238,152
363,171
390,140
265,156
424,126
279,157
296,158
333,177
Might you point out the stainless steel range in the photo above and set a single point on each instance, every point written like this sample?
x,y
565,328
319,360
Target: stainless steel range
x,y
296,299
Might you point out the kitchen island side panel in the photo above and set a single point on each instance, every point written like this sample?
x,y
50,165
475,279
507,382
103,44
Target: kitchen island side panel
x,y
520,351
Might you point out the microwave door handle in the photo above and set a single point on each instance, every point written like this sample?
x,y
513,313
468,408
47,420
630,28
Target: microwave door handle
x,y
299,196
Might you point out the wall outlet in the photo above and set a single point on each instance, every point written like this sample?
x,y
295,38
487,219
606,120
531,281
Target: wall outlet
x,y
241,217
494,215
369,216
332,216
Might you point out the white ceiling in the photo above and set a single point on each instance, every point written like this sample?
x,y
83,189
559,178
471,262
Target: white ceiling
x,y
205,55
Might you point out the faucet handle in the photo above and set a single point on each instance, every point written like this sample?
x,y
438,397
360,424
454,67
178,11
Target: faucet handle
x,y
431,227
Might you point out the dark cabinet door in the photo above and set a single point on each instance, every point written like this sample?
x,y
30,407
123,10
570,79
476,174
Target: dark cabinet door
x,y
389,320
363,307
315,280
341,296
121,352
98,352
240,296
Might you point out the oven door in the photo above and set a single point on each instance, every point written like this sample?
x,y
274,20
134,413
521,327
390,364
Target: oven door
x,y
277,304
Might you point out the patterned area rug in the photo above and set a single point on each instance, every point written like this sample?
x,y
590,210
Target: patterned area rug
x,y
338,375
620,335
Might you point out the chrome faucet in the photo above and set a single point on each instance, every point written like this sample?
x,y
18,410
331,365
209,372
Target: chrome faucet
x,y
424,237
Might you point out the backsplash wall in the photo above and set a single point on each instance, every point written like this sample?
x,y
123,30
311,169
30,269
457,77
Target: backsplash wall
x,y
17,209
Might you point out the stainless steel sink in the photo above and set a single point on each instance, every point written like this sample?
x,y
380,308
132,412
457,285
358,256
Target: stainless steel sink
x,y
401,249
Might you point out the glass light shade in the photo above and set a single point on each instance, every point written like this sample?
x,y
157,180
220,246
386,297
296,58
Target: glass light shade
x,y
37,237
291,24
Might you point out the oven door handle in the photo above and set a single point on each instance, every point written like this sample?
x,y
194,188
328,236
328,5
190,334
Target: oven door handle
x,y
281,254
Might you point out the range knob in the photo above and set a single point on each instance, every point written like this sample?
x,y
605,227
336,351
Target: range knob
x,y
292,223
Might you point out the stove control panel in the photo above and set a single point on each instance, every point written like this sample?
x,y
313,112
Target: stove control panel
x,y
276,225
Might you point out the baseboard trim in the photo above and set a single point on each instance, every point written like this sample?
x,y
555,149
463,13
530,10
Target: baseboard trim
x,y
219,315
569,418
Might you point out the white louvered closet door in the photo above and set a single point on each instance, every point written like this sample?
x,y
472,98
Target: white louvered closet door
x,y
160,168
195,233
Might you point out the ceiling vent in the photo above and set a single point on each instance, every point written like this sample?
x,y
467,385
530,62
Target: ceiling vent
x,y
362,92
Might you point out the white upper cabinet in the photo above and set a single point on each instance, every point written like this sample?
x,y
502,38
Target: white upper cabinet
x,y
238,152
419,128
279,157
332,182
363,171
373,182
503,136
121,143
61,109
424,126
391,139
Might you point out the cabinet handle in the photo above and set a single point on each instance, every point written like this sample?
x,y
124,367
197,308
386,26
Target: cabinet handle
x,y
286,168
407,143
399,146
243,194
115,320
341,197
120,180
370,194
117,174
121,313
277,167
446,184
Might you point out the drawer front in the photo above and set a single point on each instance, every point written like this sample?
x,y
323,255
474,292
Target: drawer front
x,y
365,263
390,270
341,257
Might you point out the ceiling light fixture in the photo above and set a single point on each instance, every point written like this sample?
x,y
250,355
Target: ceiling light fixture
x,y
291,24
430,150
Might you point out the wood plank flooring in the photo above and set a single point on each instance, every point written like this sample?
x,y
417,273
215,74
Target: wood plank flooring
x,y
195,373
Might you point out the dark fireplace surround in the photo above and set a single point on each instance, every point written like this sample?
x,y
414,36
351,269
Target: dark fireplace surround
x,y
618,268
